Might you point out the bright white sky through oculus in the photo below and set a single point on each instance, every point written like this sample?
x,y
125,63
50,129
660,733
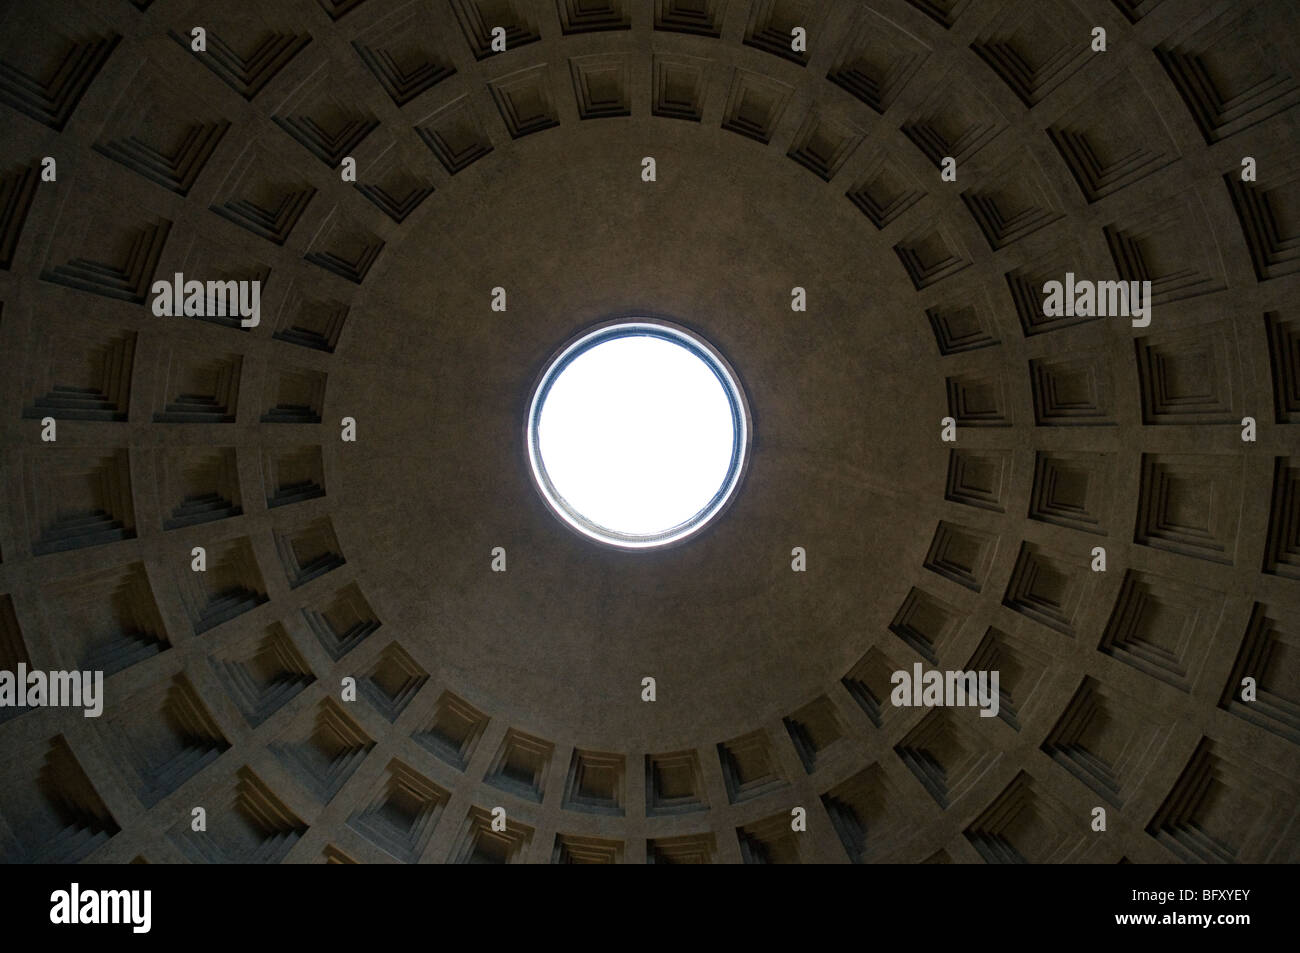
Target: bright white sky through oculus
x,y
636,434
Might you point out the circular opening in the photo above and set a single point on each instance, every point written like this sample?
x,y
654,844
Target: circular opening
x,y
637,434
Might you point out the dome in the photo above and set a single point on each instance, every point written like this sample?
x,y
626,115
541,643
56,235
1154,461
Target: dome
x,y
988,334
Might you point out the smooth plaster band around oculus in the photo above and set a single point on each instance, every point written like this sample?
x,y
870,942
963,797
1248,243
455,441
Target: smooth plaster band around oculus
x,y
741,422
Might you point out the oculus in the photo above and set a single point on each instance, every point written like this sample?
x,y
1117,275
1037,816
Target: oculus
x,y
638,433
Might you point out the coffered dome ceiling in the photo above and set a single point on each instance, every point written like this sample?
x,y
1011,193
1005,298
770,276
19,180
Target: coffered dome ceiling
x,y
774,170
